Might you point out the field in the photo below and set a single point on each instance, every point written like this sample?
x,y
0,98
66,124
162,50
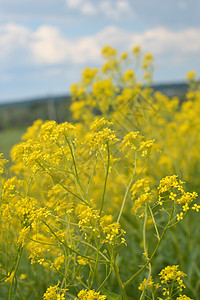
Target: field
x,y
107,206
8,138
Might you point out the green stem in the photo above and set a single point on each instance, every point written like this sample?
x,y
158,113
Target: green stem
x,y
121,285
64,185
92,175
130,185
96,264
127,190
154,252
15,271
106,179
78,253
102,284
29,183
75,167
145,251
154,222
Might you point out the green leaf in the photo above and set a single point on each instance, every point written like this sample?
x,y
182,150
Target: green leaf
x,y
110,295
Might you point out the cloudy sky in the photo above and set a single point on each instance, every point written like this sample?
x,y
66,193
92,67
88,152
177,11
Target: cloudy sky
x,y
44,44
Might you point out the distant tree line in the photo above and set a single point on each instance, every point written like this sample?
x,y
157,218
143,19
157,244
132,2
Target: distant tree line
x,y
23,114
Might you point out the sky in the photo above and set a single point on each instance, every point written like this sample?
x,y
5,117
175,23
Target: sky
x,y
45,44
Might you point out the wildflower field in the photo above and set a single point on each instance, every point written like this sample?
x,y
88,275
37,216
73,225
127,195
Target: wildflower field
x,y
106,207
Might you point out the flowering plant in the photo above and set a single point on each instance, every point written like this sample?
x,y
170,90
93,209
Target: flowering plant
x,y
88,209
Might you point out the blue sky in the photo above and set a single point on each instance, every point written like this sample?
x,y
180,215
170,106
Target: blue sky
x,y
45,44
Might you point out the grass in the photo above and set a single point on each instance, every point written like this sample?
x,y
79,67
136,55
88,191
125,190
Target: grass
x,y
8,138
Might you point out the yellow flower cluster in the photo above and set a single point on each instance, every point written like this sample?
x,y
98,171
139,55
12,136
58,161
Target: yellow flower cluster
x,y
23,234
141,202
174,187
69,210
191,76
100,136
90,295
107,52
137,142
54,293
139,186
3,161
113,232
136,51
88,75
33,130
183,297
146,285
48,143
172,274
170,182
114,89
87,216
171,284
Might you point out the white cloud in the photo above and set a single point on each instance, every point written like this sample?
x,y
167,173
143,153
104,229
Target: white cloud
x,y
48,46
173,14
74,3
122,4
116,9
161,40
110,8
88,9
13,37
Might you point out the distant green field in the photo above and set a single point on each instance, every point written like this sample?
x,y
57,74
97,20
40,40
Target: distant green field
x,y
8,138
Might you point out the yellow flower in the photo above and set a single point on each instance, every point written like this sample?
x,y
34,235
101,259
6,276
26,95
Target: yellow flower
x,y
179,216
139,204
54,293
22,276
3,161
145,285
136,51
196,207
172,274
9,279
107,52
22,235
90,295
183,297
88,75
129,75
190,76
124,55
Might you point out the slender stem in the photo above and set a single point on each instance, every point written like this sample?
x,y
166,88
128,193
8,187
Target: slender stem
x,y
88,188
64,185
106,179
29,183
127,190
121,285
172,287
15,271
95,267
154,222
145,251
93,247
130,184
72,154
104,280
120,177
71,249
75,167
154,252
